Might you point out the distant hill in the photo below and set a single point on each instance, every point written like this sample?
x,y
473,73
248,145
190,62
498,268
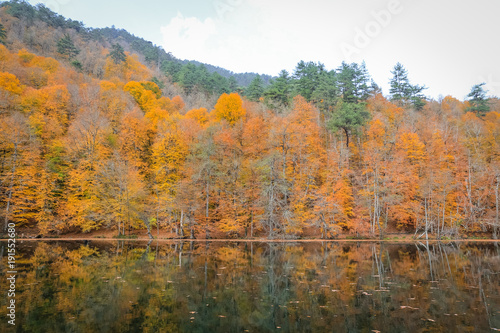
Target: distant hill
x,y
243,79
153,55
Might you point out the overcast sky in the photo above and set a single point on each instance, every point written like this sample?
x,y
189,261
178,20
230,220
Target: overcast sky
x,y
447,45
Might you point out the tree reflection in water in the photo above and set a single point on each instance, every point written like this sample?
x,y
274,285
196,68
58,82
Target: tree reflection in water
x,y
255,287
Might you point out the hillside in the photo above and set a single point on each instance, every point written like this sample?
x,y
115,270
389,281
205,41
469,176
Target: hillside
x,y
40,17
100,129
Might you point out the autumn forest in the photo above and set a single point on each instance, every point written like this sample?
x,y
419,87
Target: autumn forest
x,y
102,130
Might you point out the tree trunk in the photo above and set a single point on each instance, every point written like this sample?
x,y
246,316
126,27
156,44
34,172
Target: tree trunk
x,y
251,222
181,227
207,234
346,137
11,185
495,226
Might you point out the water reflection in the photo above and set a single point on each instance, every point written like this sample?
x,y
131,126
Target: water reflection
x,y
255,287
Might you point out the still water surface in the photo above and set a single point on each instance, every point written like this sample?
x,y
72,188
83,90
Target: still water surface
x,y
254,287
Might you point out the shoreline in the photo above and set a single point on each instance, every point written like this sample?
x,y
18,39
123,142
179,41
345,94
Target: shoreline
x,y
258,240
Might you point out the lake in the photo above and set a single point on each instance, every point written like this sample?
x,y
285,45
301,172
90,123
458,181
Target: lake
x,y
130,286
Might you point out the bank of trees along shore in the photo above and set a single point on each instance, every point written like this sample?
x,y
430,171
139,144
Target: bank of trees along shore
x,y
95,136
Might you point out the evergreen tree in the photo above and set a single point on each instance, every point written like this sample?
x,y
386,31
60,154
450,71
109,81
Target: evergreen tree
x,y
256,89
188,77
400,85
218,84
326,94
402,92
66,47
232,83
478,100
352,80
348,117
117,54
3,34
307,77
279,90
202,79
172,69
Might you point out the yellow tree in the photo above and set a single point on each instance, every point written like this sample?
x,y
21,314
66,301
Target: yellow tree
x,y
254,146
374,173
120,196
10,90
88,148
169,153
343,196
14,135
231,211
404,183
306,161
230,108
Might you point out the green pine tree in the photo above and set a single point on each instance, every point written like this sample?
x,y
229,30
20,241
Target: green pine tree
x,y
306,78
279,89
402,92
117,54
66,47
256,89
352,81
348,117
326,94
233,84
3,34
478,100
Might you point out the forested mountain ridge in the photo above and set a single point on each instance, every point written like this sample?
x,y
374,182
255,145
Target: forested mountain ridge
x,y
154,56
94,135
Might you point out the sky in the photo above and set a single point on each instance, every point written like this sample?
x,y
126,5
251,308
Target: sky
x,y
446,45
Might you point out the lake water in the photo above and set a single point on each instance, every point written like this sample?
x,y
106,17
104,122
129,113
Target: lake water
x,y
131,286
